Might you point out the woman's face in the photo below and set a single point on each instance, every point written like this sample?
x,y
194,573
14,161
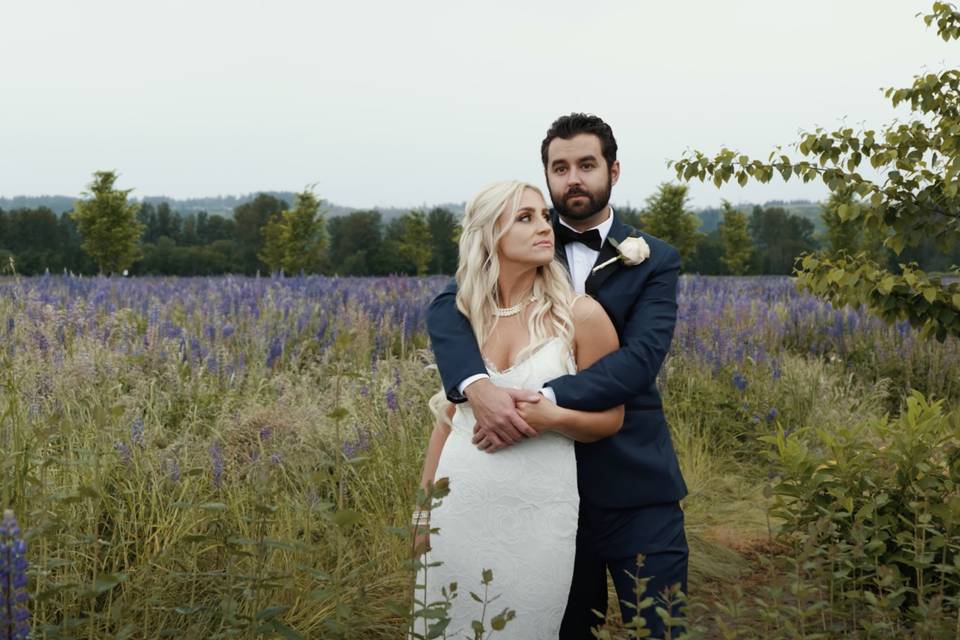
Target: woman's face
x,y
529,236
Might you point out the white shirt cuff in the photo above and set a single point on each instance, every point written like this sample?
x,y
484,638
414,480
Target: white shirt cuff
x,y
467,382
548,393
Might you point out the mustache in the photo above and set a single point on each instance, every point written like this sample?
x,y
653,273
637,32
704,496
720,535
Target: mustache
x,y
576,192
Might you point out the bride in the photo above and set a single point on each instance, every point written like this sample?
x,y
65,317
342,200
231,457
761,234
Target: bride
x,y
513,512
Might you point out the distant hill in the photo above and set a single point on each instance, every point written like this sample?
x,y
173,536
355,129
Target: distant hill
x,y
58,204
710,217
214,205
224,205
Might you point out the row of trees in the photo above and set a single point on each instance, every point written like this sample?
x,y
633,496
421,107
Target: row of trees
x,y
766,240
107,233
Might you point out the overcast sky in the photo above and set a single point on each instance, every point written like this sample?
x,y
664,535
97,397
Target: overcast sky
x,y
411,103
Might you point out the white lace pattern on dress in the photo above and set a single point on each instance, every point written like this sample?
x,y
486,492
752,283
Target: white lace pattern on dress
x,y
513,511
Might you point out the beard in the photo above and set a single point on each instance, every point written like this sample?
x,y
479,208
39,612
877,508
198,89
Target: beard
x,y
595,202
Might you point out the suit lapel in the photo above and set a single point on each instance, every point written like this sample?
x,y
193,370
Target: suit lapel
x,y
619,232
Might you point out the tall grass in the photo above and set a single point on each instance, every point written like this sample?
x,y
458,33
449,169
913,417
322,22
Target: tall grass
x,y
233,457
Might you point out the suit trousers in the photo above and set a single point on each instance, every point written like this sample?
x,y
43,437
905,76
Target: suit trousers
x,y
656,532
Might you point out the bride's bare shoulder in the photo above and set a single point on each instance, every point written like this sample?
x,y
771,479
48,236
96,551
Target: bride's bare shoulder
x,y
594,335
585,308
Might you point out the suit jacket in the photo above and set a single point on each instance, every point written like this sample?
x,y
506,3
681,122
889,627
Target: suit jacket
x,y
636,466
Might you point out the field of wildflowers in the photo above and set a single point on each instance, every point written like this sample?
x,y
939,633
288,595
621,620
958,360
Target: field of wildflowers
x,y
238,457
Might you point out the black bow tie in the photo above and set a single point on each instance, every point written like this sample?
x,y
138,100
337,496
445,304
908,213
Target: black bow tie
x,y
590,238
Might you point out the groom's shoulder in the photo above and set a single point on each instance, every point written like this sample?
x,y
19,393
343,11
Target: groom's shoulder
x,y
661,251
449,292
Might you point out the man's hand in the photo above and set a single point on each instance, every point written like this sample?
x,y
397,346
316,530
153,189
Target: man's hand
x,y
498,423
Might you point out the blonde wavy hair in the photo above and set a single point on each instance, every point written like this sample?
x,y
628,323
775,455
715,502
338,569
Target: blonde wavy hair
x,y
550,312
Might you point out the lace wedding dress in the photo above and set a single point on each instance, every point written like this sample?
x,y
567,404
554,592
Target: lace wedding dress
x,y
513,512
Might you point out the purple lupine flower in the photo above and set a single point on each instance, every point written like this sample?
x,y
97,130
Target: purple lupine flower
x,y
776,370
14,615
739,381
216,460
123,450
350,449
275,351
772,414
43,345
392,400
265,433
276,458
136,433
173,470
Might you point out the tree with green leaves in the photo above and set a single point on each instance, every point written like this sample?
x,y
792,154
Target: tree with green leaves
x,y
414,242
847,235
108,224
274,235
355,243
249,218
666,216
444,234
778,238
735,240
295,240
916,198
306,235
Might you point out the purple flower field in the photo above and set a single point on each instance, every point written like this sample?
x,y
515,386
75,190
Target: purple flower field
x,y
203,452
231,326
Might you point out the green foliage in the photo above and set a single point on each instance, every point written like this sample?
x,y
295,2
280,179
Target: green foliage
x,y
274,235
873,510
708,258
108,224
629,215
845,235
249,218
355,243
316,541
8,262
918,197
295,240
306,237
409,236
666,217
735,240
444,236
779,237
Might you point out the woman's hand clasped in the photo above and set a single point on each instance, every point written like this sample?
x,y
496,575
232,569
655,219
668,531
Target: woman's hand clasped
x,y
541,415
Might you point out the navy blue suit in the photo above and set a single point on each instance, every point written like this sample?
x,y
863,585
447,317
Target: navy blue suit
x,y
630,483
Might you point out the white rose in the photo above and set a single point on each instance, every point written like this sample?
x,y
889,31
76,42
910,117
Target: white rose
x,y
634,251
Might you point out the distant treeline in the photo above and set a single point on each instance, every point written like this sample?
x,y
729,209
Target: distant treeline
x,y
363,242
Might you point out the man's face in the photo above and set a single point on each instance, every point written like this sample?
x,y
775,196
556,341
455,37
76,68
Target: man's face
x,y
578,177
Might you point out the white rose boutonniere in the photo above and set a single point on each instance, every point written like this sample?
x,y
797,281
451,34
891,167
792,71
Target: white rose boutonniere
x,y
632,251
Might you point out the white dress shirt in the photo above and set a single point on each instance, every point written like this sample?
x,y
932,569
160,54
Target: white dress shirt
x,y
580,260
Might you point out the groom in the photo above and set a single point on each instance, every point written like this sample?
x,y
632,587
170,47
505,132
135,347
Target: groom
x,y
630,483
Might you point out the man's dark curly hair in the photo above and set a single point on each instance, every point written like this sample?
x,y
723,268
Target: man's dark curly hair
x,y
574,124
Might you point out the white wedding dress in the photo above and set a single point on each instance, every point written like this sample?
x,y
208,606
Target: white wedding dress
x,y
513,512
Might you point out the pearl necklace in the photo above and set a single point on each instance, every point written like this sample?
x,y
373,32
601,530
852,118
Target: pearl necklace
x,y
506,312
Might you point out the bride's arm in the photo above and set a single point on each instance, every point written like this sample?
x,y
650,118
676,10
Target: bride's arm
x,y
594,337
441,429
